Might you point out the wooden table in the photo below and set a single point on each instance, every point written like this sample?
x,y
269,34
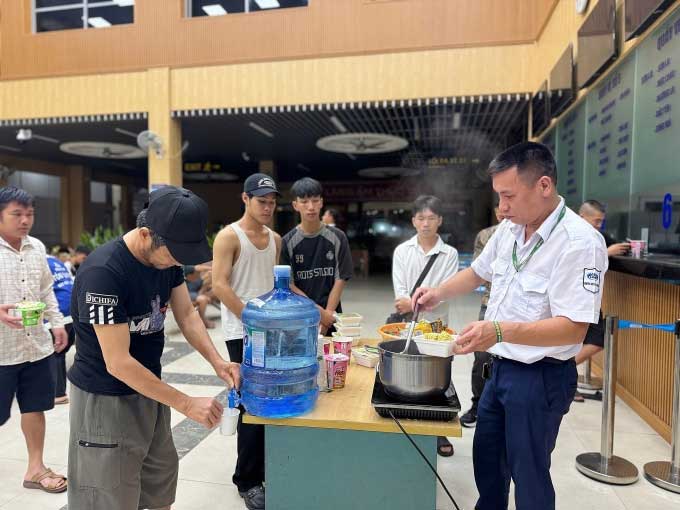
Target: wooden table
x,y
343,455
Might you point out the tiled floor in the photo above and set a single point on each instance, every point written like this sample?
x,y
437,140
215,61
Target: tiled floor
x,y
208,458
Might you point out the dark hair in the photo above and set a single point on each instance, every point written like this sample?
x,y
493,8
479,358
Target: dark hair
x,y
593,204
82,249
430,202
11,194
156,240
530,158
334,213
61,248
306,187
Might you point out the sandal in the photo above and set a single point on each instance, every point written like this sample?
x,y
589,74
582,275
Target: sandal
x,y
444,447
34,483
578,397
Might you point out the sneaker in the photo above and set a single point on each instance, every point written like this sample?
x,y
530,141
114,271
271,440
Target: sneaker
x,y
254,498
469,419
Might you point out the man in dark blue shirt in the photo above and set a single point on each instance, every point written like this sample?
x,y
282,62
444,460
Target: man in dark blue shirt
x,y
318,254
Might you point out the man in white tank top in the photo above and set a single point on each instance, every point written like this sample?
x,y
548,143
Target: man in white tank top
x,y
244,255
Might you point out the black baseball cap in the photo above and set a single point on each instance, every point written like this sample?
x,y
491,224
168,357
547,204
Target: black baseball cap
x,y
181,218
260,184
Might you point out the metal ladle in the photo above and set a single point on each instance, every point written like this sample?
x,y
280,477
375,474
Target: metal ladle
x,y
411,329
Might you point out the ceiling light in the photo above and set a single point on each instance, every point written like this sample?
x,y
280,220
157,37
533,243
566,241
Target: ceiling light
x,y
268,4
98,22
260,129
338,125
124,3
214,10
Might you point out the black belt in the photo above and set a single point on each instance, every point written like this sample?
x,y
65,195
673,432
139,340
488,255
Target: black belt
x,y
552,361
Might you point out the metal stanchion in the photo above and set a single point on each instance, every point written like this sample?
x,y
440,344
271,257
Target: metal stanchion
x,y
587,381
605,466
667,474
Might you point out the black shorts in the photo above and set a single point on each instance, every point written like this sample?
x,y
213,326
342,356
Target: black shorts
x,y
33,384
595,334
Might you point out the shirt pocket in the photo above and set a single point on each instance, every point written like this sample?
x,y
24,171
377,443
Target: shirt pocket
x,y
99,461
534,303
500,270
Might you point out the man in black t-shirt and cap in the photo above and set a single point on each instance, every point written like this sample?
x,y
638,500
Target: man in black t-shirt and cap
x,y
319,255
121,453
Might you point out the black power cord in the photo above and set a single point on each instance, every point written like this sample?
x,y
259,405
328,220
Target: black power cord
x,y
441,482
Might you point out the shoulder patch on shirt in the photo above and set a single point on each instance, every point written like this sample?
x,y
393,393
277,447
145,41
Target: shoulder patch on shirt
x,y
101,299
591,279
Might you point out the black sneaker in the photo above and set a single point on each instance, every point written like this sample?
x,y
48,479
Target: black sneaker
x,y
254,498
469,419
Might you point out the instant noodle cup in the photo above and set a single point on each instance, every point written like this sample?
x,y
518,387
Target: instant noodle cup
x,y
343,345
31,312
336,368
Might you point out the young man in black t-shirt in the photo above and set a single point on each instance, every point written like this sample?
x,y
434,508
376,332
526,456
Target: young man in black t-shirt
x,y
121,453
318,254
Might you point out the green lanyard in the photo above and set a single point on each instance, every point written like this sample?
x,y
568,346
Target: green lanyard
x,y
519,265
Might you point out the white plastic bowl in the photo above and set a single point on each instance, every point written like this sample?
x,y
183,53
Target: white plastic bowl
x,y
439,348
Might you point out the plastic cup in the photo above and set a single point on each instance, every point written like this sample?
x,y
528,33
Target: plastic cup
x,y
31,313
229,421
336,367
342,345
326,345
636,248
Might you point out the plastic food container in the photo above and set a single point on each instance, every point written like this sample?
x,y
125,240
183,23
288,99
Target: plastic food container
x,y
439,348
348,319
355,339
31,312
349,330
365,358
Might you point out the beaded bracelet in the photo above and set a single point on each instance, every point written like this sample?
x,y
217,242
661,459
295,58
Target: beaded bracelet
x,y
499,333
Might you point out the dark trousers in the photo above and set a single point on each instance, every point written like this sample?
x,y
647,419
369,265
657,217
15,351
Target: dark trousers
x,y
518,420
59,363
476,377
249,471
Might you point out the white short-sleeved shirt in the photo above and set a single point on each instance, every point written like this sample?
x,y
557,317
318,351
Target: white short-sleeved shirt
x,y
564,278
408,263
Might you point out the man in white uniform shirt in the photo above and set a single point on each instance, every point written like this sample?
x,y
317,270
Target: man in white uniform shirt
x,y
546,266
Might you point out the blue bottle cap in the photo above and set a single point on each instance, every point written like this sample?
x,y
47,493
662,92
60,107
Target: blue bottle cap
x,y
281,271
234,398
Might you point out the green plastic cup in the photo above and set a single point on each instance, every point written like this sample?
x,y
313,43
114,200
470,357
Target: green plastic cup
x,y
31,312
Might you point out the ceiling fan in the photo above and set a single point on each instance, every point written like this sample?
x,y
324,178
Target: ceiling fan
x,y
362,143
105,150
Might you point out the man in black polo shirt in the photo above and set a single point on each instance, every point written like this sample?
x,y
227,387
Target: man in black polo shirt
x,y
318,254
121,453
